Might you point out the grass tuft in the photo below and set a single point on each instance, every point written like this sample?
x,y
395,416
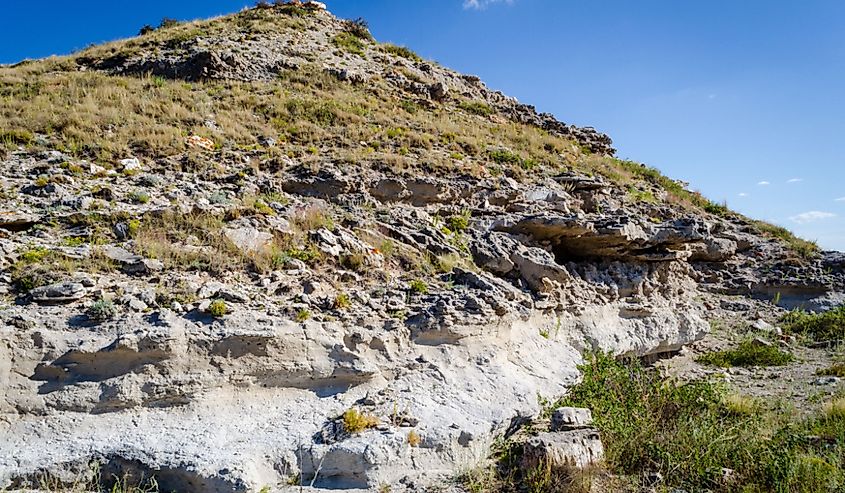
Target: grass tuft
x,y
748,353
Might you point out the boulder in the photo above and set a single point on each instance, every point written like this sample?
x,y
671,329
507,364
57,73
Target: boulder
x,y
62,292
571,418
248,239
576,448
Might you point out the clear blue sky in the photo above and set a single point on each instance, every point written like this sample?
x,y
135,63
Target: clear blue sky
x,y
725,94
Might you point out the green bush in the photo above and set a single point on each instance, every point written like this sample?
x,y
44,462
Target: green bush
x,y
218,308
358,28
101,310
476,108
826,326
747,354
401,51
802,247
350,43
691,432
418,286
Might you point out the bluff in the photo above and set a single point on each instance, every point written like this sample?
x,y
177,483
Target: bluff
x,y
265,248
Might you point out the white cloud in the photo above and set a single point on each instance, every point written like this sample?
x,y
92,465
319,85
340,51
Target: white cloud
x,y
795,180
743,194
840,199
811,216
482,4
764,183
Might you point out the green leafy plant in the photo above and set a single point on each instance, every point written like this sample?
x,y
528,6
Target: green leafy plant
x,y
748,353
218,308
101,310
418,286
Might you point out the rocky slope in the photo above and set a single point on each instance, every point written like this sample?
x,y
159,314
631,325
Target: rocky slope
x,y
220,237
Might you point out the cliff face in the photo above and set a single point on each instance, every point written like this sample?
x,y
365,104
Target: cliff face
x,y
220,237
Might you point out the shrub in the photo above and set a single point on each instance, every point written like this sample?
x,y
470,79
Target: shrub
x,y
303,315
401,51
101,310
715,208
476,108
342,301
748,353
358,28
502,156
167,22
826,326
835,370
218,308
350,43
459,222
16,137
355,421
147,29
139,197
803,248
418,286
690,432
414,438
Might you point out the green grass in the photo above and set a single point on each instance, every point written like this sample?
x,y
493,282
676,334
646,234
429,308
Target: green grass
x,y
476,108
802,247
350,43
826,326
747,354
834,370
690,432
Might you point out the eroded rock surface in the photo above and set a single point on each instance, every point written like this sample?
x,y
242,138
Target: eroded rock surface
x,y
212,328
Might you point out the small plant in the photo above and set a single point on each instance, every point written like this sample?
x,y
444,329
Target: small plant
x,y
459,222
350,43
827,326
401,51
358,28
342,301
354,261
717,209
303,315
139,197
835,409
748,353
418,286
835,370
101,310
167,22
218,308
146,29
355,421
414,438
476,108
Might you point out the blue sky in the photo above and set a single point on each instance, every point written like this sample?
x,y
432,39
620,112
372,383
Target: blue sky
x,y
744,99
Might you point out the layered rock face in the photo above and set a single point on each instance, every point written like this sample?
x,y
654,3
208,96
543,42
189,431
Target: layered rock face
x,y
215,330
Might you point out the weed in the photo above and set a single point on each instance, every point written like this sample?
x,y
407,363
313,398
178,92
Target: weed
x,y
476,108
826,326
101,310
350,43
303,315
218,308
748,353
342,301
414,438
355,421
418,286
835,370
401,51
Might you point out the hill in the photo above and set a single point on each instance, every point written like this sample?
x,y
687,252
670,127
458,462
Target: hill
x,y
266,249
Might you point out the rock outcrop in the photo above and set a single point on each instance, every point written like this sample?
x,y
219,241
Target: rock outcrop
x,y
209,317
